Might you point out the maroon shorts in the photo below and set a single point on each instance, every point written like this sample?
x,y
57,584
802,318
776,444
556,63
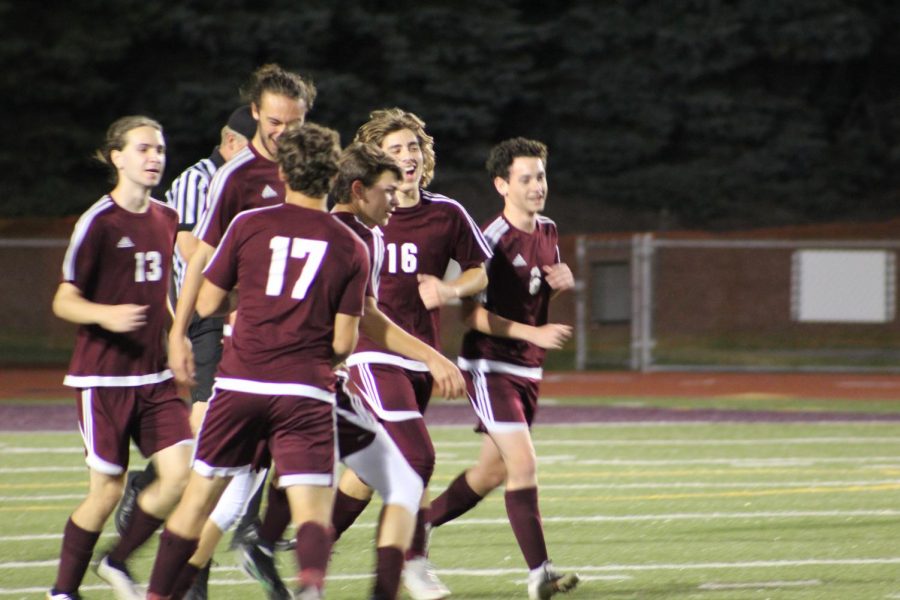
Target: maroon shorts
x,y
356,423
502,401
110,417
299,433
388,388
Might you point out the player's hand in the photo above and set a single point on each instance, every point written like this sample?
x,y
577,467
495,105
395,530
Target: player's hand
x,y
551,336
448,380
181,360
123,318
559,277
434,292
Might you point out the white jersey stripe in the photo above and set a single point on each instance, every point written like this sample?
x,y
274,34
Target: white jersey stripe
x,y
370,393
92,381
273,388
476,231
216,186
79,233
495,366
383,358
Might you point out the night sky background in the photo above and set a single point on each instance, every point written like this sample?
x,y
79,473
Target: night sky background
x,y
659,114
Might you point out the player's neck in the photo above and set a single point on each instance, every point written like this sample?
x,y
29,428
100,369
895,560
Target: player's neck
x,y
130,196
300,199
261,148
409,197
352,209
521,220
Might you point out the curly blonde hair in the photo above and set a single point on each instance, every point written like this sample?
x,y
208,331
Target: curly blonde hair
x,y
383,122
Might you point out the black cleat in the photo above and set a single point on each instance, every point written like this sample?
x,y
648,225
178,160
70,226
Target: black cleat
x,y
133,487
259,563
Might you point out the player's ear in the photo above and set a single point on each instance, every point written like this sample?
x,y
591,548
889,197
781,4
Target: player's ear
x,y
357,190
501,185
115,156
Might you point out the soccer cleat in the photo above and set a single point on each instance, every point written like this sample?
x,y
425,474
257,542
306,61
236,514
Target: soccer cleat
x,y
198,590
545,582
54,595
258,562
133,487
246,532
119,579
421,582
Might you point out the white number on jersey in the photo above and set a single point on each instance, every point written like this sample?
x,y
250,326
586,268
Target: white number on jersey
x,y
312,250
408,260
147,266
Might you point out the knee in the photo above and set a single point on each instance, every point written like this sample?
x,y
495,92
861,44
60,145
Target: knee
x,y
522,469
106,494
487,477
174,481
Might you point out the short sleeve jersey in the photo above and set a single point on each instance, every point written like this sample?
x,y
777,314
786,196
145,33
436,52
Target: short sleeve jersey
x,y
372,238
188,195
295,269
116,256
248,180
421,240
516,289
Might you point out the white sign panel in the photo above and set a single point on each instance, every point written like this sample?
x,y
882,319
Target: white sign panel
x,y
835,286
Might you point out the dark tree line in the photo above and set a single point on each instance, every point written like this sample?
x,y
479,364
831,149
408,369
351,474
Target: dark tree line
x,y
699,113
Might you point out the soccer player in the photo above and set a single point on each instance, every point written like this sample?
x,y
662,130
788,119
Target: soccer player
x,y
277,98
115,278
503,352
426,231
187,195
300,277
365,198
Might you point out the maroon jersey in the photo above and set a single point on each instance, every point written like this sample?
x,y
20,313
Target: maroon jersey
x,y
248,180
116,256
516,290
372,237
295,268
420,240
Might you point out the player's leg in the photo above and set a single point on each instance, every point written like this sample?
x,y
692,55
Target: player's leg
x,y
382,465
471,486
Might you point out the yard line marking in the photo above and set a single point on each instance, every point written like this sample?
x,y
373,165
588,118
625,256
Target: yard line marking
x,y
18,470
774,461
701,485
41,498
752,564
691,442
504,522
735,494
41,450
759,585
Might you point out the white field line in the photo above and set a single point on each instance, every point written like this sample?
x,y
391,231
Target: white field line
x,y
582,486
21,470
771,461
750,585
503,522
693,442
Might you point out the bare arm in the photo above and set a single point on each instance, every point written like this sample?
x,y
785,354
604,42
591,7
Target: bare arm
x,y
375,324
70,305
435,292
187,244
346,333
212,300
551,336
180,359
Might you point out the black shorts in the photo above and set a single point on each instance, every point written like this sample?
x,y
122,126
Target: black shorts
x,y
206,339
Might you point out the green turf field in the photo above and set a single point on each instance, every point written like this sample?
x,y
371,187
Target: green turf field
x,y
641,510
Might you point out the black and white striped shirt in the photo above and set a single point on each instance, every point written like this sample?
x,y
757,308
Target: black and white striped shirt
x,y
188,195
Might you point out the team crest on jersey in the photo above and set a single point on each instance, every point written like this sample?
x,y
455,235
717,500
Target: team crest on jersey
x,y
268,192
519,261
125,242
534,286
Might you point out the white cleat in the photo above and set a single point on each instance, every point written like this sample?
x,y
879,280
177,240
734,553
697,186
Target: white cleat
x,y
545,582
421,582
119,580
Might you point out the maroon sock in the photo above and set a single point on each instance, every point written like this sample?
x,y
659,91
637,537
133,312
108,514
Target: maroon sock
x,y
456,500
420,536
313,551
171,557
141,527
388,566
277,517
525,518
346,510
185,580
74,557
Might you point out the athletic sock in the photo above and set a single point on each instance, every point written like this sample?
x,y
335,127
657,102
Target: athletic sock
x,y
388,567
420,536
185,580
277,517
171,557
140,528
525,519
456,500
313,552
346,510
74,557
